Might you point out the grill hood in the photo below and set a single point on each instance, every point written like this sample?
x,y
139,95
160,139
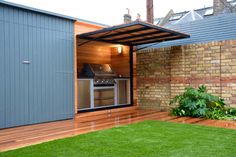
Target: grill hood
x,y
97,70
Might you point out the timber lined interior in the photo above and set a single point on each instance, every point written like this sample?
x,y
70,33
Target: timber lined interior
x,y
94,52
103,53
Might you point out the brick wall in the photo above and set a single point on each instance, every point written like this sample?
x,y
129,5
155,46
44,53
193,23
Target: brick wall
x,y
153,78
165,72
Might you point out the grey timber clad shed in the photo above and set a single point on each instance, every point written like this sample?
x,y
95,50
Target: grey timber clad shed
x,y
36,66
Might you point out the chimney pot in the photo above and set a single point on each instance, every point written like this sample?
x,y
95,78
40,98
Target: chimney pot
x,y
138,17
127,17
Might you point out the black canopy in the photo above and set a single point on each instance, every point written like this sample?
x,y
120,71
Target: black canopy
x,y
133,34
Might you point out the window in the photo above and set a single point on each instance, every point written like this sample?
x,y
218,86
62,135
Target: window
x,y
208,12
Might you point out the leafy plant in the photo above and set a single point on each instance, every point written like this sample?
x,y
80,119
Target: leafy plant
x,y
199,103
215,114
231,111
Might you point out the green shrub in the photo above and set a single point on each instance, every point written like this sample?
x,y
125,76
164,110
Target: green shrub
x,y
215,114
231,111
199,103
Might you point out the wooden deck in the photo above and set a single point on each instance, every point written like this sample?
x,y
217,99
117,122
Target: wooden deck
x,y
13,138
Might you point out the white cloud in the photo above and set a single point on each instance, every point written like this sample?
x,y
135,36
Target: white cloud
x,y
111,11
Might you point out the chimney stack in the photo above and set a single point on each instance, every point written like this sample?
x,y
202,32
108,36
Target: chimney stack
x,y
219,6
127,17
150,11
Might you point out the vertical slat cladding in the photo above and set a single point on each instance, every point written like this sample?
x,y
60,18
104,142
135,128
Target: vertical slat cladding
x,y
32,103
2,71
54,56
42,90
44,70
71,44
50,71
24,74
54,65
9,105
15,63
20,70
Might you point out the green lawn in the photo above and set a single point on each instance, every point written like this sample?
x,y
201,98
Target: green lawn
x,y
146,139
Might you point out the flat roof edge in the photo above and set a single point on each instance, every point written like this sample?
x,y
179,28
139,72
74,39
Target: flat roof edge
x,y
92,22
49,13
37,10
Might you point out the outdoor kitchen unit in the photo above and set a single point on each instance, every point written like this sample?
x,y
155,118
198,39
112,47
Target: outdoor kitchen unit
x,y
106,63
99,87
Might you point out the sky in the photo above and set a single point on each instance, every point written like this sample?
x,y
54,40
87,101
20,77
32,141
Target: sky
x,y
111,12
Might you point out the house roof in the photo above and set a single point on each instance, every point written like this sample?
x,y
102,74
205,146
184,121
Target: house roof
x,y
134,33
214,28
205,12
190,16
48,12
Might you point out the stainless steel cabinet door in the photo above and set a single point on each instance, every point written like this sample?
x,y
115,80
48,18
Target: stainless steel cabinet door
x,y
123,91
84,94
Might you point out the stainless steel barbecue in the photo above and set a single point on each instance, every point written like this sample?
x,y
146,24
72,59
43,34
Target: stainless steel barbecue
x,y
100,85
102,74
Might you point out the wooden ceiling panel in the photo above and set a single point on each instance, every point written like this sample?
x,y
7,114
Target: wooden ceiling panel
x,y
146,37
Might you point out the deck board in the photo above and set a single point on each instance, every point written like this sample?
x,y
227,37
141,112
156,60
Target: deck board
x,y
17,137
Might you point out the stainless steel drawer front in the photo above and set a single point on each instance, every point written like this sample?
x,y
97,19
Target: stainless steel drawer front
x,y
104,97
